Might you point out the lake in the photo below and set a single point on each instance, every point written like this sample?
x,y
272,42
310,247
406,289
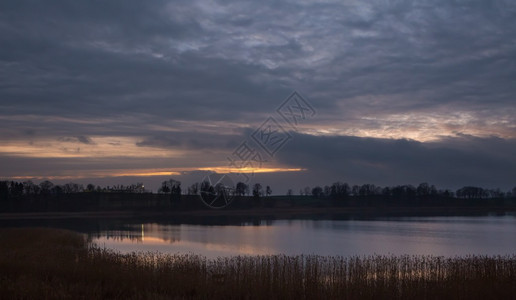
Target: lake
x,y
442,236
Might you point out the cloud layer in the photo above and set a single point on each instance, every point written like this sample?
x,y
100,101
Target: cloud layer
x,y
178,84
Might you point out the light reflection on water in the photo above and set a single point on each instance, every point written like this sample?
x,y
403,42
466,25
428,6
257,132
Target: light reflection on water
x,y
446,236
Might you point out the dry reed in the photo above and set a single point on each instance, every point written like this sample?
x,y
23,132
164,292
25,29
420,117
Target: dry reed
x,y
57,264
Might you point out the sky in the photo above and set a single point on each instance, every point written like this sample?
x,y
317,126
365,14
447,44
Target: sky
x,y
391,92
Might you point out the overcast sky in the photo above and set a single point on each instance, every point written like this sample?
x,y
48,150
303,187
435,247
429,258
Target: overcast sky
x,y
402,92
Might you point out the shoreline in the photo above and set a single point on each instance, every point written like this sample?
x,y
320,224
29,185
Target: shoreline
x,y
274,213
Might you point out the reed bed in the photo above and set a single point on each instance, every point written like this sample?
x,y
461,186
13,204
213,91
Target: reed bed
x,y
55,264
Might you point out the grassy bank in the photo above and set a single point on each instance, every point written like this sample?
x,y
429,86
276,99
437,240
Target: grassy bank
x,y
47,263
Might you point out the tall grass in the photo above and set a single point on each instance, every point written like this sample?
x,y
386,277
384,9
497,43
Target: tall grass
x,y
55,264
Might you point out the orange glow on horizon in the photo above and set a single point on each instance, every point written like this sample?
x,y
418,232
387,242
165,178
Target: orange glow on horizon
x,y
250,170
154,172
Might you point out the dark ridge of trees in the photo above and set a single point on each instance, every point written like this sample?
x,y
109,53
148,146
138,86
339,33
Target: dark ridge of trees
x,y
472,192
46,195
172,187
424,191
337,190
15,190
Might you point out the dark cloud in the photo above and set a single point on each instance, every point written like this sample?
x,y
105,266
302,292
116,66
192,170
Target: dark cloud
x,y
449,163
120,58
193,140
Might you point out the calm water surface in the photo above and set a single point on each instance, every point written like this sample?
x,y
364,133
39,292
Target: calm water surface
x,y
446,236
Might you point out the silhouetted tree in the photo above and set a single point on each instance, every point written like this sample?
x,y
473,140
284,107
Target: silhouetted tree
x,y
317,192
495,193
355,190
410,191
16,189
4,191
139,187
327,191
165,188
367,190
241,189
57,190
29,188
307,191
423,190
339,190
268,191
45,187
471,192
71,188
193,189
257,190
90,187
446,193
175,190
207,188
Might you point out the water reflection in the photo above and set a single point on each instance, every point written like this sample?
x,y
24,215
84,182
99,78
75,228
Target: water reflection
x,y
447,236
142,233
211,241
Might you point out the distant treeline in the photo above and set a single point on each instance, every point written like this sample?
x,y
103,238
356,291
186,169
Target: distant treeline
x,y
424,190
46,196
26,188
337,190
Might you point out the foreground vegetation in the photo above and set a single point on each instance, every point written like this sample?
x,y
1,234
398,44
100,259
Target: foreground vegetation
x,y
57,264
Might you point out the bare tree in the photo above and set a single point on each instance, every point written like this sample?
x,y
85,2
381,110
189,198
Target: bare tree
x,y
317,192
241,189
257,190
307,191
193,189
90,187
46,187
